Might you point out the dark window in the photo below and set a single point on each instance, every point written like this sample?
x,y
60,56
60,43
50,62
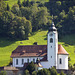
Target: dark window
x,y
16,61
22,61
51,46
33,60
28,60
51,40
60,61
51,56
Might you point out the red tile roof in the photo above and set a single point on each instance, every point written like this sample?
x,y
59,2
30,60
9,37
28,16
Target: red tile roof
x,y
30,50
35,51
61,50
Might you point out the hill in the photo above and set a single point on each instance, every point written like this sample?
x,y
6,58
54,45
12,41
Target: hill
x,y
7,46
12,2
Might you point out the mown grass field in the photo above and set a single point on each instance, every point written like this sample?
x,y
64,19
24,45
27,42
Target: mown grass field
x,y
12,2
7,46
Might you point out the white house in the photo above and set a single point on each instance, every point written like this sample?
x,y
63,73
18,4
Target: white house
x,y
50,55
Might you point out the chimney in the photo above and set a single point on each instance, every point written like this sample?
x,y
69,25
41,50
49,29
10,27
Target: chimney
x,y
35,43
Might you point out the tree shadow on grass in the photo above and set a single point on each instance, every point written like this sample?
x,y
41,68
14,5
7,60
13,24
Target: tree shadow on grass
x,y
68,39
6,42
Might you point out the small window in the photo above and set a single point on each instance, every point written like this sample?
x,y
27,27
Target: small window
x,y
51,56
60,61
28,60
16,61
33,60
22,61
51,40
51,46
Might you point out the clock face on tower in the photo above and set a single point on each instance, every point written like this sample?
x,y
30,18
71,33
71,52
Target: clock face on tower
x,y
51,34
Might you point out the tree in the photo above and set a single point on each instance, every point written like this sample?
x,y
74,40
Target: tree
x,y
8,8
19,3
16,10
31,67
62,73
2,73
24,3
43,72
26,72
34,73
27,3
53,71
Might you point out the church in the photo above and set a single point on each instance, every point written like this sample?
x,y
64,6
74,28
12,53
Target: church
x,y
52,54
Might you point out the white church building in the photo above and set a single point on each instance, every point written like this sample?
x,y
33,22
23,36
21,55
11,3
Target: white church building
x,y
50,55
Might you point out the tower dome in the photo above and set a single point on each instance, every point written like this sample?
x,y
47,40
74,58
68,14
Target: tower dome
x,y
52,27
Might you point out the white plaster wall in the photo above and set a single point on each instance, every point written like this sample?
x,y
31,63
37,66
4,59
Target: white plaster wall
x,y
25,61
45,64
54,50
64,64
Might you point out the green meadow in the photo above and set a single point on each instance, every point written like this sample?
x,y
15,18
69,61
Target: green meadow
x,y
7,46
12,2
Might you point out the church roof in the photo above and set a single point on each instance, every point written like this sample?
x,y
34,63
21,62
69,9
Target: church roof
x,y
52,27
61,50
35,51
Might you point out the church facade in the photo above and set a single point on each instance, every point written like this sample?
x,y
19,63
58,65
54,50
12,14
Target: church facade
x,y
50,55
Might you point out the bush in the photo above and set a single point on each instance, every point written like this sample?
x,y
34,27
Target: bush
x,y
62,73
2,73
26,72
53,71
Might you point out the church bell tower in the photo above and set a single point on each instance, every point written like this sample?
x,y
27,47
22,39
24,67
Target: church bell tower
x,y
52,46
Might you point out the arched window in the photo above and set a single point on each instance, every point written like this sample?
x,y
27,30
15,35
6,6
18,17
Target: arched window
x,y
60,61
33,60
22,61
28,60
16,61
51,40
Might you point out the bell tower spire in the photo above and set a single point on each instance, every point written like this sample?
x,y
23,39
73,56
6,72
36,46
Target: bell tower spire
x,y
52,45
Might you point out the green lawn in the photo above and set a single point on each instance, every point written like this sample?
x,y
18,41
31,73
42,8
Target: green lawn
x,y
12,2
7,46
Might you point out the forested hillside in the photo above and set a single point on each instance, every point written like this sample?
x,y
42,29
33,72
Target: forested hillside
x,y
26,16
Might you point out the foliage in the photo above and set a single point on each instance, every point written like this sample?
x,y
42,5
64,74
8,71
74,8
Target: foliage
x,y
26,72
2,73
62,73
43,72
31,67
53,71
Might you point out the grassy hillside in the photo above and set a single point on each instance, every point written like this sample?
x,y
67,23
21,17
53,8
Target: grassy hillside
x,y
7,46
12,2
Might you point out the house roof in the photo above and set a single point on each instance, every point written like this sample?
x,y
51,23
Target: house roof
x,y
35,51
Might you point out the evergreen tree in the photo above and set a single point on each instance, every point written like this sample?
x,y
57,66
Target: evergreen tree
x,y
24,3
19,3
31,67
8,8
26,72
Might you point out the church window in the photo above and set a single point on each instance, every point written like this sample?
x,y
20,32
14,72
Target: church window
x,y
33,60
51,56
16,61
51,40
28,60
22,61
51,46
60,61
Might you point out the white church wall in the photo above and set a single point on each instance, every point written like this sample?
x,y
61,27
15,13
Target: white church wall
x,y
45,64
25,61
64,62
52,48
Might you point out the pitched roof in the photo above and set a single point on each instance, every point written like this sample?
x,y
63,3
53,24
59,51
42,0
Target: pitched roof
x,y
35,51
61,50
30,50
